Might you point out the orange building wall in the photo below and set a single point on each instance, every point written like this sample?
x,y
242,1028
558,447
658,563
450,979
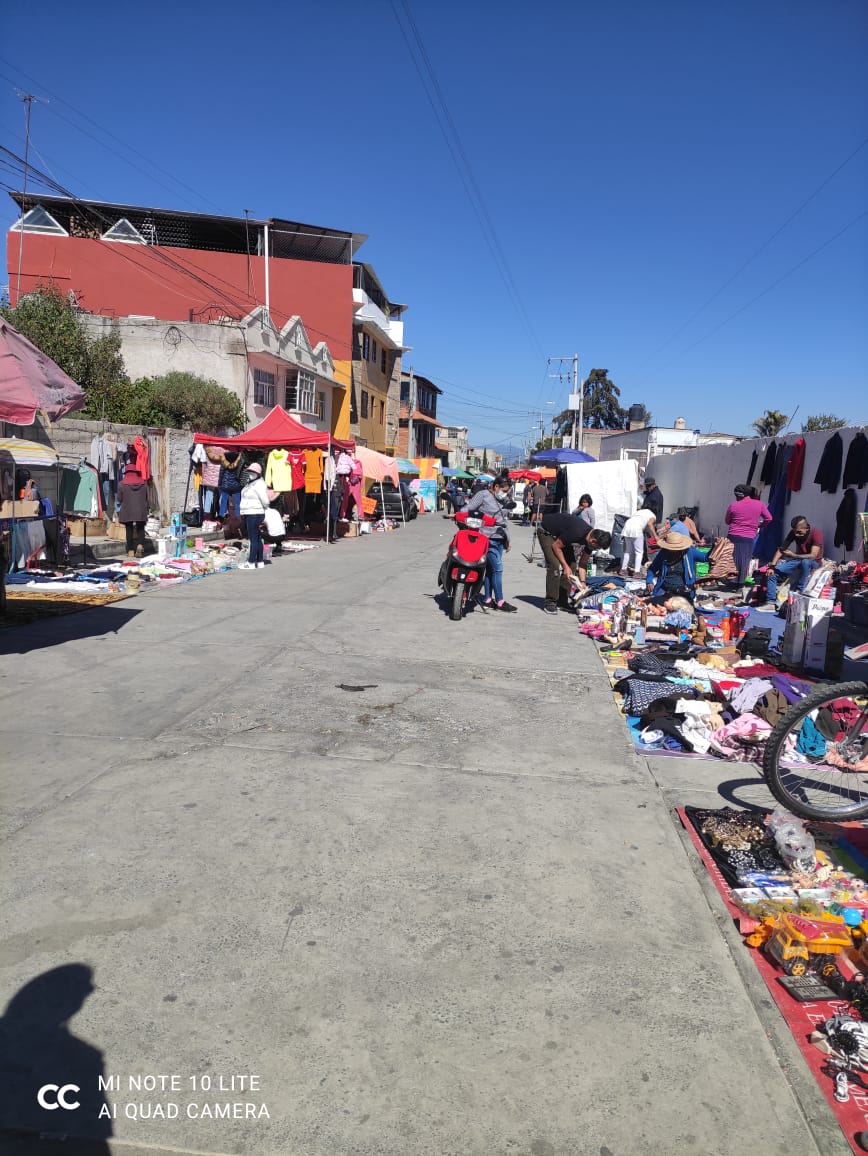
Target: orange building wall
x,y
119,280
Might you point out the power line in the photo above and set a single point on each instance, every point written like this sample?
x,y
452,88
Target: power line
x,y
461,161
749,260
109,134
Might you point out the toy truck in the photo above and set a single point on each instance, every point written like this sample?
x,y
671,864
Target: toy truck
x,y
798,944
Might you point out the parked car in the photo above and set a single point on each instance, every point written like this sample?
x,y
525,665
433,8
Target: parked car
x,y
391,500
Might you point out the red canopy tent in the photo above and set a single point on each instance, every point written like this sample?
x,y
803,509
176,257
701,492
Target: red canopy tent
x,y
277,430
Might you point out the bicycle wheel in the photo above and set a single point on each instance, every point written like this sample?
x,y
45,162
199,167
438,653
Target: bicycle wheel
x,y
816,758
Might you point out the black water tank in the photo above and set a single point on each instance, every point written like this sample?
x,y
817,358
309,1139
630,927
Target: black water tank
x,y
636,414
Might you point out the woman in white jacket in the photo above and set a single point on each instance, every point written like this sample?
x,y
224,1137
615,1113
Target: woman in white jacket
x,y
254,503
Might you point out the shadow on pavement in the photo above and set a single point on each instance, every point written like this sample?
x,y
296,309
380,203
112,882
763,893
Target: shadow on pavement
x,y
86,623
46,1069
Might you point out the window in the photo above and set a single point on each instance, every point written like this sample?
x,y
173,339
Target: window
x,y
382,412
300,392
124,232
405,391
38,220
364,403
452,432
320,405
366,346
383,361
374,352
263,387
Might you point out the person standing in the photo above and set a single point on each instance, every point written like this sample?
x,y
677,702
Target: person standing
x,y
653,499
487,501
797,557
744,517
561,537
254,503
133,513
585,509
539,496
633,541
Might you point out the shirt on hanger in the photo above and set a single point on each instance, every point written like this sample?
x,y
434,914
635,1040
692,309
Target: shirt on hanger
x,y
313,472
278,471
297,461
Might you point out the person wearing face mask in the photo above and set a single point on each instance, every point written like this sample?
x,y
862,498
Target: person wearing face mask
x,y
799,555
487,501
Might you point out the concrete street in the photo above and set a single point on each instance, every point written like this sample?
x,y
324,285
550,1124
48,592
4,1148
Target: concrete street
x,y
407,872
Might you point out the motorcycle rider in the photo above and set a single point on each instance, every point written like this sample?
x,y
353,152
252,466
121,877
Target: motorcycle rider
x,y
487,501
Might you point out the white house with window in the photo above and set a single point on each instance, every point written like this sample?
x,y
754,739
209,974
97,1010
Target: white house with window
x,y
285,369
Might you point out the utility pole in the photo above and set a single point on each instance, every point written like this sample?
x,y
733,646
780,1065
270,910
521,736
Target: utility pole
x,y
28,99
411,433
576,398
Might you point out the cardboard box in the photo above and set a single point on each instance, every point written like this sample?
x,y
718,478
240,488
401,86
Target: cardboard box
x,y
116,532
19,509
807,631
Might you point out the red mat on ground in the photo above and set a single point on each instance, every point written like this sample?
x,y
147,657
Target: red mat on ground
x,y
802,1018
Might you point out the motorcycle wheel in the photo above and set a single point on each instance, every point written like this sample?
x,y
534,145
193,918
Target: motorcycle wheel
x,y
457,604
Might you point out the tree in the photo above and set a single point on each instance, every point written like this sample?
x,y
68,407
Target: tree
x,y
821,421
602,409
47,319
181,399
771,423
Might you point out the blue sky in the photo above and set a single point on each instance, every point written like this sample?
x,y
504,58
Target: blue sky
x,y
618,179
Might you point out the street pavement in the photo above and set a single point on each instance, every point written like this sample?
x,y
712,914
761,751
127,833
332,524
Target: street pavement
x,y
402,881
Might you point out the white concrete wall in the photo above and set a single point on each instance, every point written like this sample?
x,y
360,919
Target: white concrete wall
x,y
705,476
153,348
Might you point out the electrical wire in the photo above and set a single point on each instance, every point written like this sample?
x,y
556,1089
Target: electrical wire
x,y
448,128
84,116
696,313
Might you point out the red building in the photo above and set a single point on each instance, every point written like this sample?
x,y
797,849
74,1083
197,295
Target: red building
x,y
128,261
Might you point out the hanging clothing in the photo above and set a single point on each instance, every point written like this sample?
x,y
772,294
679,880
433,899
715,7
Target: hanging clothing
x,y
211,466
795,466
753,461
772,533
856,466
829,470
278,471
345,463
313,471
767,472
845,521
297,461
79,491
143,457
330,472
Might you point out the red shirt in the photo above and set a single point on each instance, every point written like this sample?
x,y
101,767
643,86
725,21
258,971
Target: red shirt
x,y
814,538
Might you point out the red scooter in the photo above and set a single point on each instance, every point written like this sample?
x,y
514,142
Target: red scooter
x,y
463,572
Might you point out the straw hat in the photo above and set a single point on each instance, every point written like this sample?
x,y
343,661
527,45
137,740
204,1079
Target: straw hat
x,y
674,541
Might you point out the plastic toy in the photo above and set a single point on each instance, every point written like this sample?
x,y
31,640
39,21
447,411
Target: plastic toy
x,y
797,944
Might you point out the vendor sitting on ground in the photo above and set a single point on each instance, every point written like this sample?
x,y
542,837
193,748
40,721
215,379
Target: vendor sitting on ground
x,y
797,558
673,569
683,524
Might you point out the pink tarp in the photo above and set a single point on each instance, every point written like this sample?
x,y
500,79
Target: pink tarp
x,y
277,430
31,381
377,466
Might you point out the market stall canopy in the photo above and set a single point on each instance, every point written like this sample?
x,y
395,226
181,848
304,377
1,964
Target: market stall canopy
x,y
377,466
485,477
546,473
31,381
450,472
277,430
405,466
560,457
525,475
25,453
